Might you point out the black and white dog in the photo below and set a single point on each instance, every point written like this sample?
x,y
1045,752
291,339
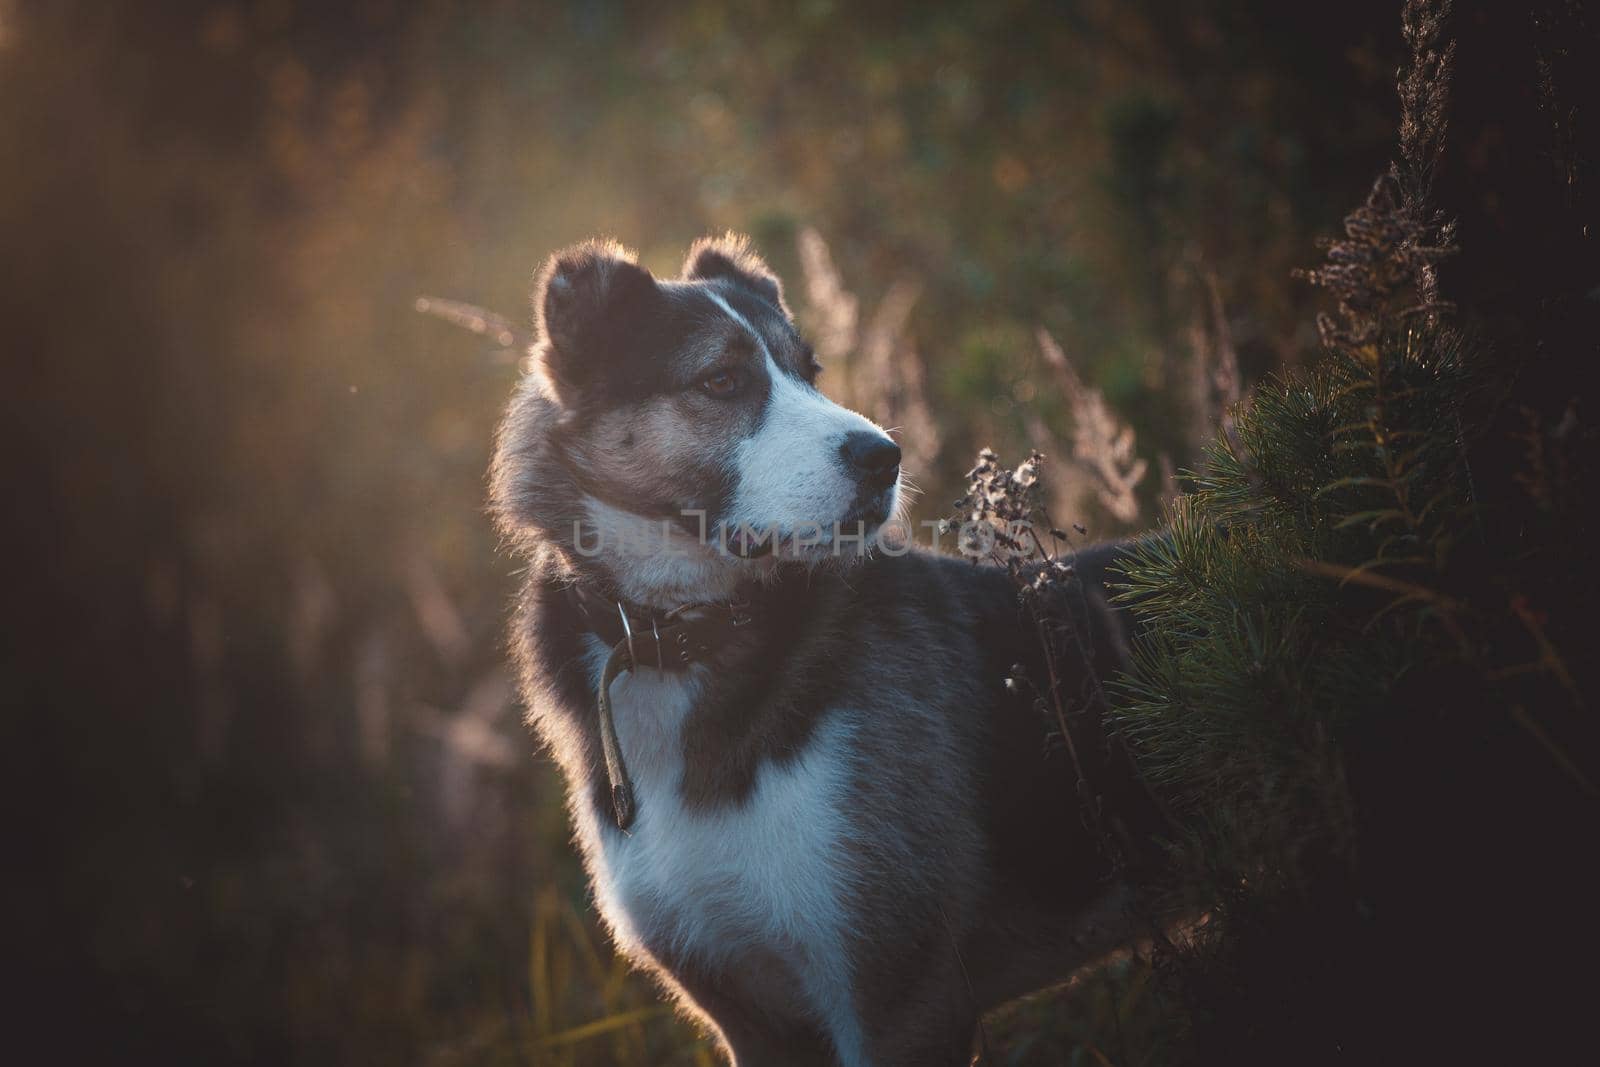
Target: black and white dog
x,y
806,797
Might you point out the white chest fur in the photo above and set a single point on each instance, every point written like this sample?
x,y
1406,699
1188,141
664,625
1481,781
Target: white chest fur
x,y
771,873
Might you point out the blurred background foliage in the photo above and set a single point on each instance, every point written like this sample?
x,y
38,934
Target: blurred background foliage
x,y
277,804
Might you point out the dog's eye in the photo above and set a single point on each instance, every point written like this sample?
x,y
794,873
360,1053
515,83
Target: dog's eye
x,y
808,362
723,383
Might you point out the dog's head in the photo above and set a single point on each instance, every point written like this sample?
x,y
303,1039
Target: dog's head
x,y
673,434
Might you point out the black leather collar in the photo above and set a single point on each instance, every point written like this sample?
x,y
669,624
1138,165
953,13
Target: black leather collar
x,y
666,641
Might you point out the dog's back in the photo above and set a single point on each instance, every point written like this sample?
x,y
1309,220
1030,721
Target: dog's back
x,y
1038,900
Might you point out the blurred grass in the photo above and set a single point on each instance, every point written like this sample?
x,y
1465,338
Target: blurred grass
x,y
583,995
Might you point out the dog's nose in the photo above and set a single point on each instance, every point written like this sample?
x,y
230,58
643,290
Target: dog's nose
x,y
872,457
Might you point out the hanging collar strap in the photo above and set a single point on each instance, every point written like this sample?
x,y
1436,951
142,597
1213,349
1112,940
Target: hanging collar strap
x,y
644,640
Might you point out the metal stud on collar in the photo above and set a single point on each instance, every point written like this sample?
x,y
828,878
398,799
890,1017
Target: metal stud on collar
x,y
627,631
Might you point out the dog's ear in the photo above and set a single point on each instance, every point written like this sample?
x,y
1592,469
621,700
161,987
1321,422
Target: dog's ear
x,y
586,298
730,256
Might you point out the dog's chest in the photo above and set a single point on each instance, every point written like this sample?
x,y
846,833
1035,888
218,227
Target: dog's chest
x,y
765,879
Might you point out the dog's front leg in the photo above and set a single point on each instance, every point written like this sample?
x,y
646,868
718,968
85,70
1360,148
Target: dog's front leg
x,y
751,1037
923,1015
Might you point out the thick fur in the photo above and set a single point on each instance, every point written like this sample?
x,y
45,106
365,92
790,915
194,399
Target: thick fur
x,y
852,836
